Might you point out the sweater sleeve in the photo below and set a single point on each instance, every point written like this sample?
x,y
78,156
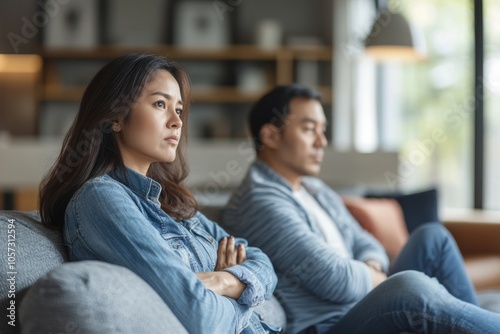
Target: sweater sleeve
x,y
301,258
362,244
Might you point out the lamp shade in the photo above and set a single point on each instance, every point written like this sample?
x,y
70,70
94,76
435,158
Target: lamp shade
x,y
393,38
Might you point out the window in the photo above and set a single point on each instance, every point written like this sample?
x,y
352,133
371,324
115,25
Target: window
x,y
491,21
435,102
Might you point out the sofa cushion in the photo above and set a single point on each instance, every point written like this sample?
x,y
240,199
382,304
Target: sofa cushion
x,y
418,207
95,297
35,250
489,300
272,313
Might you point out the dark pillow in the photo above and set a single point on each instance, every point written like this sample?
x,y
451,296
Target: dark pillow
x,y
418,208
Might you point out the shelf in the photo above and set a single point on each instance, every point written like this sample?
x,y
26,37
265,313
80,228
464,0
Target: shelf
x,y
237,95
234,52
219,94
226,95
61,94
67,71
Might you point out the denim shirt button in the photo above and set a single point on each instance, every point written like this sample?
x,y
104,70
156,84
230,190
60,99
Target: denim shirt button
x,y
261,317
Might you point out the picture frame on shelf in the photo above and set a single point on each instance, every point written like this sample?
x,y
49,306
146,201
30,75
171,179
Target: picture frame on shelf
x,y
195,24
124,29
76,26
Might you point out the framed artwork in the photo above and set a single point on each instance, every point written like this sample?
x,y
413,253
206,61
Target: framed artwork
x,y
136,23
196,24
75,25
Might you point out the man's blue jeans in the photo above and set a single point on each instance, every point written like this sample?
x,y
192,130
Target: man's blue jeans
x,y
411,301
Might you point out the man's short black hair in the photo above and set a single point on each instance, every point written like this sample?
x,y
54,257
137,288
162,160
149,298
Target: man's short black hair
x,y
274,106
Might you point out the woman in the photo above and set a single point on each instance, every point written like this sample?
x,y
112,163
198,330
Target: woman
x,y
116,192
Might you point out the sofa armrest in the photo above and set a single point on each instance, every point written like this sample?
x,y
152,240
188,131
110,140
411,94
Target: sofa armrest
x,y
480,248
95,297
475,238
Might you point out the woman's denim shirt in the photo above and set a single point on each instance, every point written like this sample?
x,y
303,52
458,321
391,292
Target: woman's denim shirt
x,y
117,218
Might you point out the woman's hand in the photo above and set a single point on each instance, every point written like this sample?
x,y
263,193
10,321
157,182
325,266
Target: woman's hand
x,y
223,283
228,255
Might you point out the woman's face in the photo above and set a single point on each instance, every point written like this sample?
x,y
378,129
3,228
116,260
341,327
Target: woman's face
x,y
153,130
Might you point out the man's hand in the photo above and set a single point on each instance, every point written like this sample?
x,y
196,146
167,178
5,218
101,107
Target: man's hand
x,y
374,265
378,276
228,255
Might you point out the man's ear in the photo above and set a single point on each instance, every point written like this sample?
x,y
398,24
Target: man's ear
x,y
270,136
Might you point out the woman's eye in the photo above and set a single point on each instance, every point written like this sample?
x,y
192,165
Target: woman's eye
x,y
178,111
160,104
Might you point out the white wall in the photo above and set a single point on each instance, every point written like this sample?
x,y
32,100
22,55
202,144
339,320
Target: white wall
x,y
223,164
217,168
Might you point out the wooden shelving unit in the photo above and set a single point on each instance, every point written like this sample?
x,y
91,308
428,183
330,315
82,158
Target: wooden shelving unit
x,y
221,94
234,52
283,58
279,66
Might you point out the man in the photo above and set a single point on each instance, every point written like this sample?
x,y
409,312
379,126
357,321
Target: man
x,y
332,275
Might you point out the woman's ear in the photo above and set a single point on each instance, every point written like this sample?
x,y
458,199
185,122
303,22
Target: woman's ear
x,y
270,136
117,127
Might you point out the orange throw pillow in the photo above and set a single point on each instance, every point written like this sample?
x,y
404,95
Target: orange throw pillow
x,y
383,218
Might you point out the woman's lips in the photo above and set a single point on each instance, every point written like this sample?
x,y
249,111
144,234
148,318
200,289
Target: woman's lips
x,y
172,139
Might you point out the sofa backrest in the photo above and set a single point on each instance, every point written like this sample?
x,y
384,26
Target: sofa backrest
x,y
32,251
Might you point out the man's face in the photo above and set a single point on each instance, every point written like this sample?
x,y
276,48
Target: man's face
x,y
301,142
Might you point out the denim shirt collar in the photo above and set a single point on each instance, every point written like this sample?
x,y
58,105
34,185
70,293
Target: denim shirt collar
x,y
140,184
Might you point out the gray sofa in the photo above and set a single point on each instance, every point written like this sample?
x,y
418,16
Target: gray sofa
x,y
47,294
52,295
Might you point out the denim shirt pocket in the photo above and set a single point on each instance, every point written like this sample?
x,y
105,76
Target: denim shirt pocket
x,y
259,326
177,243
206,240
201,232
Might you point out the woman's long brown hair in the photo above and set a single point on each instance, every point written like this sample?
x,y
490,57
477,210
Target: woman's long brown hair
x,y
90,149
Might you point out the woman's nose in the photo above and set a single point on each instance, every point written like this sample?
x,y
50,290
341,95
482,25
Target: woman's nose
x,y
175,121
